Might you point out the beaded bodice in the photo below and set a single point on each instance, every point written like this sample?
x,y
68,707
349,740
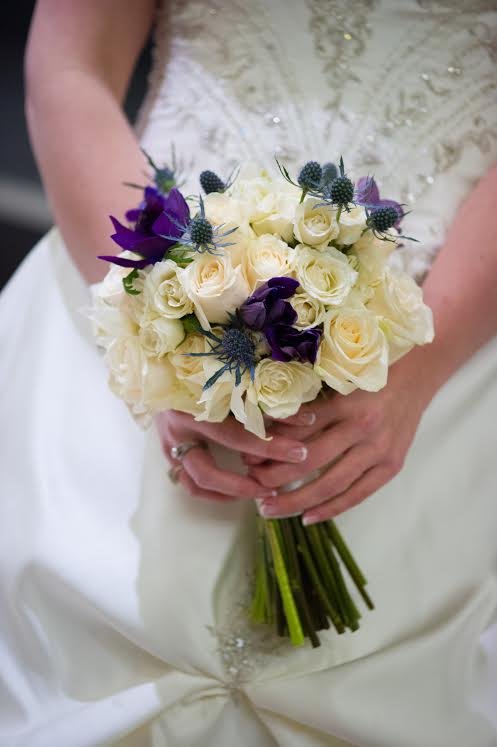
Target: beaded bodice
x,y
403,89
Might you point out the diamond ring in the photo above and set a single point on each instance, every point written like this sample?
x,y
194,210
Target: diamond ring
x,y
174,473
181,450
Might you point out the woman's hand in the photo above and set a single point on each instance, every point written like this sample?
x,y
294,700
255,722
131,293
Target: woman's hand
x,y
200,474
358,442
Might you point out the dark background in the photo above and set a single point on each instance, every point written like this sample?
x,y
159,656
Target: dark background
x,y
24,213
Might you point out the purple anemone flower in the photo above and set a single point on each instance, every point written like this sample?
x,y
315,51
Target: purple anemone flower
x,y
368,195
267,305
158,216
289,344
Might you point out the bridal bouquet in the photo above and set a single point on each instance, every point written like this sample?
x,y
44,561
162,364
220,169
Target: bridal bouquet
x,y
247,302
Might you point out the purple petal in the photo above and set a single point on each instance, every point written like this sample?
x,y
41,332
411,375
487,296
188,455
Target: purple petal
x,y
281,312
288,343
124,237
133,214
285,285
167,225
123,262
253,314
366,191
176,204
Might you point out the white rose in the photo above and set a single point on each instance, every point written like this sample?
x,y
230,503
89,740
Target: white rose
x,y
407,320
310,311
315,226
267,257
269,206
326,276
215,287
354,351
164,293
222,209
216,399
160,336
282,387
146,384
113,312
352,224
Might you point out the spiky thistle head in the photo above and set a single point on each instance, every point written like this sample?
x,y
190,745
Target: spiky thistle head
x,y
310,175
165,177
236,347
382,218
211,182
341,189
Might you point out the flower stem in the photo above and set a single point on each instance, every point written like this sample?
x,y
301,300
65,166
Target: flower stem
x,y
292,618
349,562
351,613
296,581
303,547
339,212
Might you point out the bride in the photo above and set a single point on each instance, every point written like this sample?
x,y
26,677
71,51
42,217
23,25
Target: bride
x,y
123,592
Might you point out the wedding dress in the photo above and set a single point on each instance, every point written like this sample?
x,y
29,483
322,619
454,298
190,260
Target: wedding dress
x,y
122,618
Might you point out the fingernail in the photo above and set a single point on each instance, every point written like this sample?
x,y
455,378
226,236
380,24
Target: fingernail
x,y
310,519
299,454
307,418
269,510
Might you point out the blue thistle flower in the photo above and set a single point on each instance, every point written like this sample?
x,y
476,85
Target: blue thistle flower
x,y
235,349
211,182
199,233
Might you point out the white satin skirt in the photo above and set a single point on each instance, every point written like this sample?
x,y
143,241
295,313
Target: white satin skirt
x,y
122,598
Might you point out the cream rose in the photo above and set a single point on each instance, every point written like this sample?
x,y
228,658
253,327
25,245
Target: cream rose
x,y
372,255
314,224
113,312
282,387
164,293
310,311
326,276
147,385
160,336
267,257
222,209
215,287
407,320
354,351
269,205
351,224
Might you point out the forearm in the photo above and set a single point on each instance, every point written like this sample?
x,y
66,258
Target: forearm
x,y
461,289
85,149
78,63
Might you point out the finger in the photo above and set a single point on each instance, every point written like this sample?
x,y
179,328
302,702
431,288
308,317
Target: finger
x,y
250,459
311,418
323,449
202,468
334,481
232,434
371,481
193,489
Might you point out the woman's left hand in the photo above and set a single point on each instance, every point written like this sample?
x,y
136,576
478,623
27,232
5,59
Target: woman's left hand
x,y
365,436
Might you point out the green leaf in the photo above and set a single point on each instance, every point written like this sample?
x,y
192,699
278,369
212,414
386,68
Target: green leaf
x,y
128,283
191,324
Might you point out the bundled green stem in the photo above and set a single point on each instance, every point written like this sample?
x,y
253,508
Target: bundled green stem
x,y
299,584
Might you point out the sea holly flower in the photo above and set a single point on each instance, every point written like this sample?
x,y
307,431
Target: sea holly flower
x,y
267,306
367,194
156,228
199,234
235,347
211,182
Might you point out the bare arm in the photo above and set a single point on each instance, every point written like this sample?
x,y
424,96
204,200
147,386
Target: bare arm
x,y
79,60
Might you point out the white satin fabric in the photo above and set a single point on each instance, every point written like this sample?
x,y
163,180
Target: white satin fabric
x,y
114,581
120,617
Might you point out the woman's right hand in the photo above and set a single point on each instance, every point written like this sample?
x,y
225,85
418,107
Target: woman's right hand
x,y
200,474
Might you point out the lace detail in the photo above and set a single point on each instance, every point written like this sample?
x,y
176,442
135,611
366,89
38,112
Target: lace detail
x,y
407,91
